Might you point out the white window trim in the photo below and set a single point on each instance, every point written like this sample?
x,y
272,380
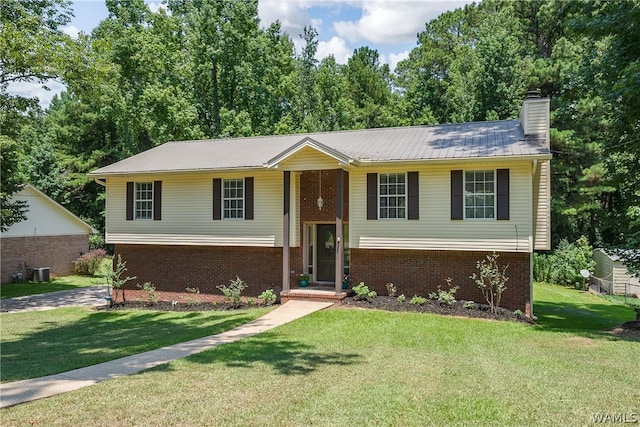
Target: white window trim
x,y
464,194
406,197
136,217
224,217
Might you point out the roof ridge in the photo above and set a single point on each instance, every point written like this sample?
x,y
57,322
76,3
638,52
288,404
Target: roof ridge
x,y
333,132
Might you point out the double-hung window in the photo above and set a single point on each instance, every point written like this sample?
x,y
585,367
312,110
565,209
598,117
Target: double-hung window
x,y
233,199
479,194
143,201
392,198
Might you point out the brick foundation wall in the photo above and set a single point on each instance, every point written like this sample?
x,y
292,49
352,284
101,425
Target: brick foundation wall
x,y
175,268
55,252
418,272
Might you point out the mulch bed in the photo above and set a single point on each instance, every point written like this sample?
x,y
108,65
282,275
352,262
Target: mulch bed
x,y
480,311
181,307
628,330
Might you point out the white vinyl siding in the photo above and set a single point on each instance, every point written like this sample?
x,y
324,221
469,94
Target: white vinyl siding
x,y
143,200
188,208
392,195
542,207
233,198
309,159
435,230
479,194
45,217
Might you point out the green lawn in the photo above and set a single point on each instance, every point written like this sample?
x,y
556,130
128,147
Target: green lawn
x,y
12,290
567,309
356,367
39,343
619,299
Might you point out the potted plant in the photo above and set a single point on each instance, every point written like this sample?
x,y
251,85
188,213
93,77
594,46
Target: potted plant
x,y
303,280
346,281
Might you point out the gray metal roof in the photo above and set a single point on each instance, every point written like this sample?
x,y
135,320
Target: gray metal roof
x,y
480,140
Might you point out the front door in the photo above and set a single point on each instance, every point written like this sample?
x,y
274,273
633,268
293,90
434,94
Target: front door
x,y
326,252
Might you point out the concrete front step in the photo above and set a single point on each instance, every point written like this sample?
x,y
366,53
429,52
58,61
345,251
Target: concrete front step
x,y
313,294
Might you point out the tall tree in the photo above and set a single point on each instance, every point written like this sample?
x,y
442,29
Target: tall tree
x,y
11,211
32,49
613,69
220,36
369,88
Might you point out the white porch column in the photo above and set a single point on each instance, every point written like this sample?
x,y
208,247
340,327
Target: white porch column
x,y
339,231
286,226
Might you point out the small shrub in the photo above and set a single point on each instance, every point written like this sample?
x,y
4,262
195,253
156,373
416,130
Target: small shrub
x,y
89,263
96,241
391,289
268,297
417,300
150,290
214,304
469,305
251,302
233,291
445,297
402,298
193,300
518,313
563,266
362,292
491,280
115,280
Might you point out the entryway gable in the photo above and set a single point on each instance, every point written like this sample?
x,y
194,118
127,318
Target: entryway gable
x,y
309,154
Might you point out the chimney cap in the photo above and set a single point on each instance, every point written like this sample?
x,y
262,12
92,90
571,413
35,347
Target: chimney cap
x,y
532,94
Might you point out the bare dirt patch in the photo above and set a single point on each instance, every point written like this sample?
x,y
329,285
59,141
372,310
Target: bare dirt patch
x,y
628,330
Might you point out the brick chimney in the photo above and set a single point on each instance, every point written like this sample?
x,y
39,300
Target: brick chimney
x,y
534,116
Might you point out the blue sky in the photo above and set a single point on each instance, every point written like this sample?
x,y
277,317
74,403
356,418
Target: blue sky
x,y
389,26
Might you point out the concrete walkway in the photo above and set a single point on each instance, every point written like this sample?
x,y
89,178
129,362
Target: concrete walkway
x,y
92,295
38,388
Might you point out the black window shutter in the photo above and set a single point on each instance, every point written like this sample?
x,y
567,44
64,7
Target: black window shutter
x,y
248,198
130,201
503,194
217,198
157,200
413,203
457,195
372,196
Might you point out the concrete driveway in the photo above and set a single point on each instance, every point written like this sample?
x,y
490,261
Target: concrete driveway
x,y
90,296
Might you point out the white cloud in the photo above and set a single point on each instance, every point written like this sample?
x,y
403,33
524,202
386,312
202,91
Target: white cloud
x,y
389,22
71,30
35,90
154,7
336,47
291,14
395,58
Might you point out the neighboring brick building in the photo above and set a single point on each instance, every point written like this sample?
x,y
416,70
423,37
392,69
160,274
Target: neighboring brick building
x,y
50,237
408,205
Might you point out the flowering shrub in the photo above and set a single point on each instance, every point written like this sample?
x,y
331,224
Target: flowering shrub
x,y
89,263
233,291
